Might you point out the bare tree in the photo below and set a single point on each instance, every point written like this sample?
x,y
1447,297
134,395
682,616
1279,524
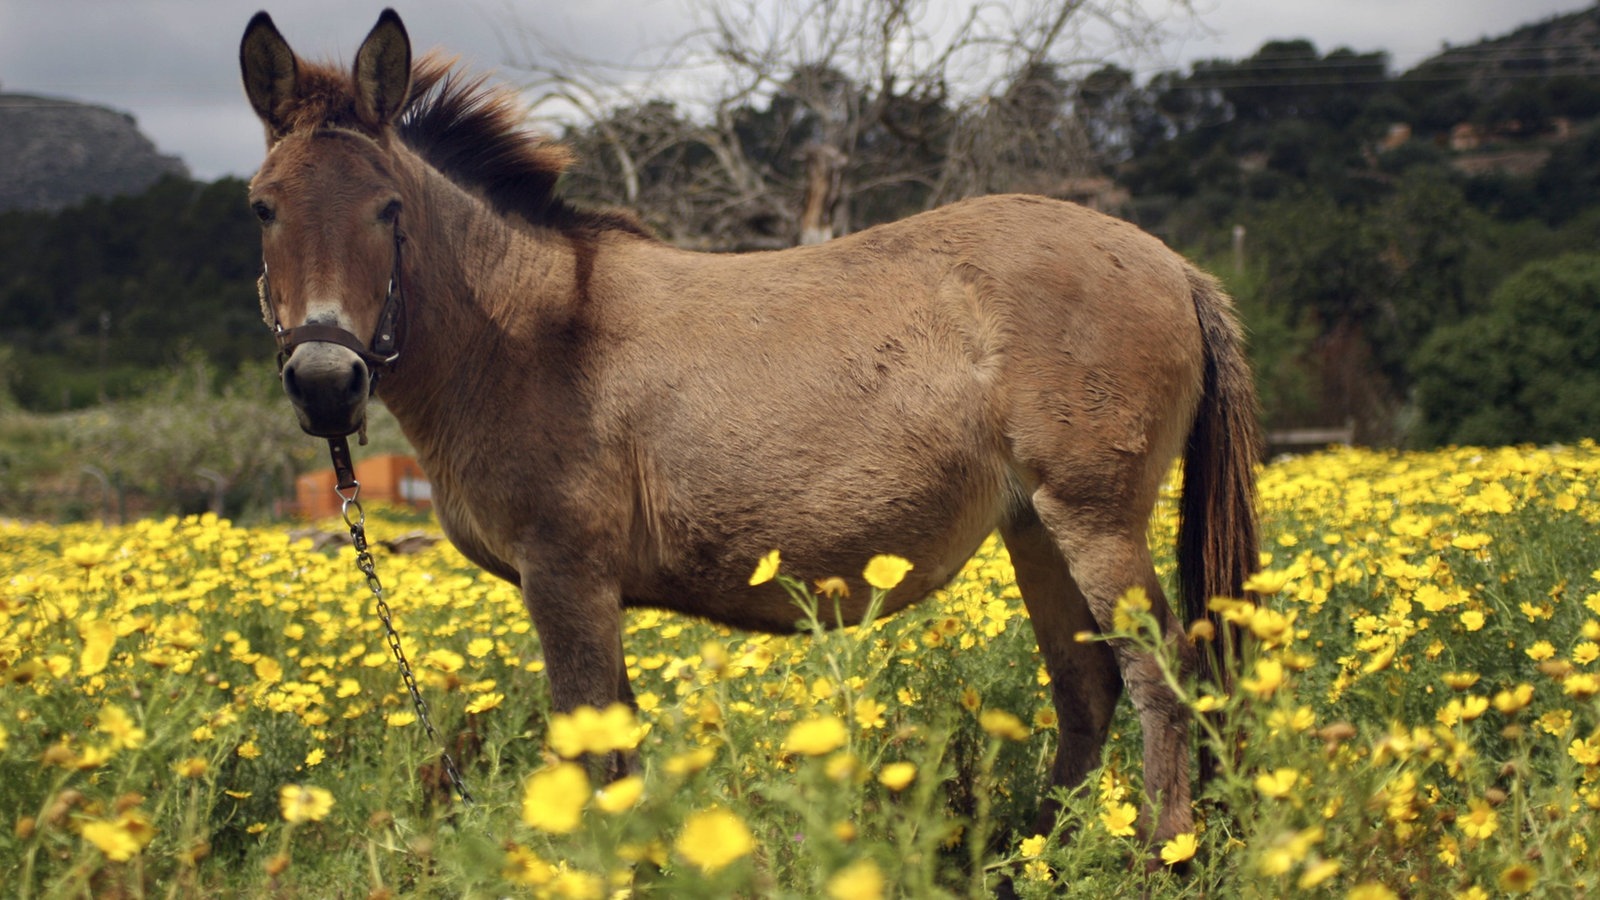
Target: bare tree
x,y
793,117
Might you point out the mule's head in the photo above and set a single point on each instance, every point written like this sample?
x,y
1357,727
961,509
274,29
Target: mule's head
x,y
329,201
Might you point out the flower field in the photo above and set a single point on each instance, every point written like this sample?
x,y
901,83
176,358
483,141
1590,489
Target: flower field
x,y
193,708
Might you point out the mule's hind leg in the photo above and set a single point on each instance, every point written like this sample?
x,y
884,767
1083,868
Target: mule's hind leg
x,y
1084,679
1105,548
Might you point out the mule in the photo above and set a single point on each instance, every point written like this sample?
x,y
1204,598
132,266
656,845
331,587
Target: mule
x,y
609,421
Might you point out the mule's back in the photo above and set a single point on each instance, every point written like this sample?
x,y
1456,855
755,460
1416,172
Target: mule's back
x,y
900,390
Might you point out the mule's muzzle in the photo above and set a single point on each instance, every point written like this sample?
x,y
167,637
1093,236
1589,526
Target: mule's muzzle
x,y
328,385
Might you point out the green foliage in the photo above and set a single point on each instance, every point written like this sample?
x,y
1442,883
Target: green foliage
x,y
1527,369
1425,234
95,295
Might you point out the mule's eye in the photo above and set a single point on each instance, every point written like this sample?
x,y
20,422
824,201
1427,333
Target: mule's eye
x,y
263,212
391,211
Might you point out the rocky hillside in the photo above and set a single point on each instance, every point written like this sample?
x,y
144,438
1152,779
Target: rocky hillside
x,y
1564,46
55,153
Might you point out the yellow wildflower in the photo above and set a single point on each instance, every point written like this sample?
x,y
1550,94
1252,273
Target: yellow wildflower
x,y
1449,850
588,730
1118,818
833,587
860,880
484,702
714,838
523,866
1581,685
98,639
1555,721
897,776
193,767
1002,724
1480,820
125,734
553,798
620,795
1318,872
869,713
1514,699
1180,848
970,699
1278,783
1518,878
766,568
1267,678
841,766
1301,718
690,761
1125,616
1586,752
884,572
268,670
1267,581
112,839
304,803
816,737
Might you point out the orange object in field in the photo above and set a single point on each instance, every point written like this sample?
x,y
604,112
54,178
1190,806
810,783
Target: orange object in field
x,y
391,478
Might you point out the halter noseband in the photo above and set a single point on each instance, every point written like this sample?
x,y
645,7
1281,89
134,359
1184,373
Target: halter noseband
x,y
380,354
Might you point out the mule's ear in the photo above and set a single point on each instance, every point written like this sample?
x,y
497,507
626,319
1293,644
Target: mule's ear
x,y
383,71
269,69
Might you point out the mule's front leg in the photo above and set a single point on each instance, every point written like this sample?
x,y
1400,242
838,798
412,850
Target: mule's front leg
x,y
579,621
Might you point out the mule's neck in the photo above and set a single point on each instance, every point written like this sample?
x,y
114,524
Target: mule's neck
x,y
480,296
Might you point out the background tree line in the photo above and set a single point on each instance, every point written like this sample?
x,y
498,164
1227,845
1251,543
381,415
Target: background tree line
x,y
1369,223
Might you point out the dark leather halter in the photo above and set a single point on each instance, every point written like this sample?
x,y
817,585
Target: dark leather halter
x,y
380,354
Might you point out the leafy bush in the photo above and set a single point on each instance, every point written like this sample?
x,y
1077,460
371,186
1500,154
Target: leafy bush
x,y
1528,369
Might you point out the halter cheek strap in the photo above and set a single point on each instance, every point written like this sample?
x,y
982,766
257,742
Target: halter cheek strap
x,y
380,354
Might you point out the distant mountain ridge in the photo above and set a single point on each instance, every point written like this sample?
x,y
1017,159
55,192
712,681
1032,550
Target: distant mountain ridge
x,y
1562,45
55,153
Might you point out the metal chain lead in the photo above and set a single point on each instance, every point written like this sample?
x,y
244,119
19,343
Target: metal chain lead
x,y
358,537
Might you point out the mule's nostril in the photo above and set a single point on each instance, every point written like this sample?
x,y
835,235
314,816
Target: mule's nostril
x,y
357,384
291,384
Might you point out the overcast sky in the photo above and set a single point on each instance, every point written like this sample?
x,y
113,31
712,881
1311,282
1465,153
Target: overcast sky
x,y
173,63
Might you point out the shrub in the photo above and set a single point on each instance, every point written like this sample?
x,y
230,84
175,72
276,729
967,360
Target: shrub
x,y
1527,370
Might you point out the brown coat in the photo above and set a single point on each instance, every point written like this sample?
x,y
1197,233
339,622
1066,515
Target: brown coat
x,y
610,421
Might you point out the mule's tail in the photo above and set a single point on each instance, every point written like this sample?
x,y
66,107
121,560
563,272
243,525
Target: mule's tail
x,y
1217,533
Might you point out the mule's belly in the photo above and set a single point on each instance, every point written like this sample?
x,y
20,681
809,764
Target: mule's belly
x,y
770,608
827,518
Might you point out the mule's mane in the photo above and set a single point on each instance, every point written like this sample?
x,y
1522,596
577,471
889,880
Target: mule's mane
x,y
470,131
